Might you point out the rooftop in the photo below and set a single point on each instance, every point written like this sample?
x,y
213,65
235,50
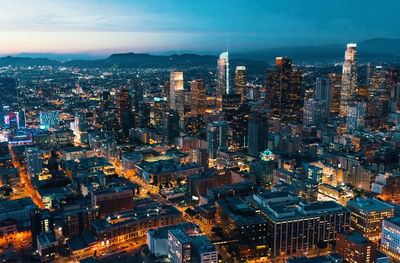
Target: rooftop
x,y
356,238
368,204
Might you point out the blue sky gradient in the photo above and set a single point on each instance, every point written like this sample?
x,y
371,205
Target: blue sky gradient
x,y
107,26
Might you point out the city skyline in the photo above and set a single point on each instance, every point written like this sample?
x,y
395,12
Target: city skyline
x,y
105,27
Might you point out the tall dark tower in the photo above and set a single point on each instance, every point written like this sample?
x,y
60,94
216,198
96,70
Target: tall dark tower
x,y
137,90
198,94
124,105
171,126
284,91
257,133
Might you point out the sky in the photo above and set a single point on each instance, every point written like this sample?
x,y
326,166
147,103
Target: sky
x,y
109,26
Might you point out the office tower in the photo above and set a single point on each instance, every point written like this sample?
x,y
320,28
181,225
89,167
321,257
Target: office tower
x,y
166,92
198,96
367,215
41,222
230,104
257,133
222,78
158,107
194,125
390,239
179,247
21,119
356,116
348,92
368,73
171,126
355,248
240,82
200,156
217,137
263,168
314,112
336,80
106,100
176,93
392,77
49,120
239,127
34,161
137,92
323,92
124,106
378,93
284,91
143,114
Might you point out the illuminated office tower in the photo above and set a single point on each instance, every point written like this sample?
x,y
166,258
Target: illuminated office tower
x,y
348,92
49,120
314,112
257,133
198,94
239,127
336,81
176,93
367,215
144,109
392,77
284,91
240,82
356,116
390,239
158,107
171,126
124,106
323,91
106,100
137,92
217,137
34,161
223,78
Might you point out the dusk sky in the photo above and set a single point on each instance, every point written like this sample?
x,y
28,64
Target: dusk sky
x,y
107,26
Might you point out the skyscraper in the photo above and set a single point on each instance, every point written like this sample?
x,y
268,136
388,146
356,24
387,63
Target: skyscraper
x,y
257,133
217,137
176,95
323,91
137,88
356,116
124,106
34,161
336,81
240,82
223,78
314,112
198,94
171,126
348,92
284,91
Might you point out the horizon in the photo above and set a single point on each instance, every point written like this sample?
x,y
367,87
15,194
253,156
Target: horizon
x,y
107,27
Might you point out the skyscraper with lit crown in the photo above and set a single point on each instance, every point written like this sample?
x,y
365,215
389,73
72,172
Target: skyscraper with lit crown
x,y
348,92
240,82
176,94
223,78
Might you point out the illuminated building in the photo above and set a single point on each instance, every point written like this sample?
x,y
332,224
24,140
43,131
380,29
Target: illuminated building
x,y
106,100
217,137
34,161
41,222
76,221
176,93
49,120
240,82
143,114
222,78
367,215
124,106
47,246
348,92
137,92
257,133
356,116
17,209
336,80
171,126
200,156
198,96
284,91
323,92
158,107
390,239
239,125
263,169
355,248
314,112
194,125
387,185
112,200
230,104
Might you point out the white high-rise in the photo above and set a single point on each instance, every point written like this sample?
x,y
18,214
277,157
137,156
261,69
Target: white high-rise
x,y
223,86
176,92
348,92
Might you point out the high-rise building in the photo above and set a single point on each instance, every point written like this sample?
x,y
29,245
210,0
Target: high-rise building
x,y
323,92
263,168
137,92
198,94
355,248
176,93
390,239
179,247
34,161
124,106
257,133
367,215
223,78
336,80
239,125
158,107
356,116
314,112
240,82
230,104
284,91
49,120
217,137
171,126
348,92
143,113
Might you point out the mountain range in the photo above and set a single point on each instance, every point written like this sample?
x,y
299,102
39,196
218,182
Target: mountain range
x,y
372,50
